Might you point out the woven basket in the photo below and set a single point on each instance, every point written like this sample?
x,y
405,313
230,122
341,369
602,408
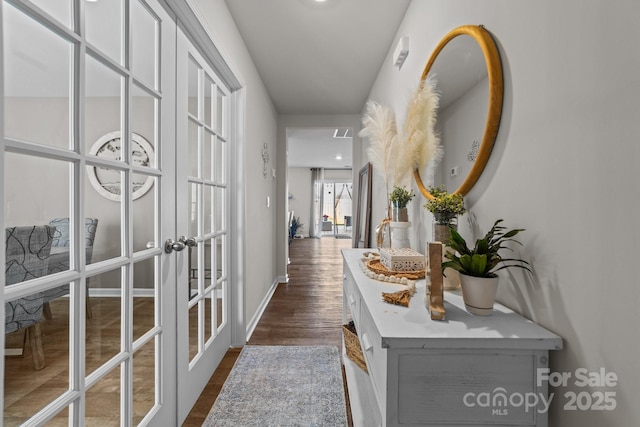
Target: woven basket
x,y
352,344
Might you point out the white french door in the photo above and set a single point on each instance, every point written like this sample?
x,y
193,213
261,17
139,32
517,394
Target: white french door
x,y
88,147
203,216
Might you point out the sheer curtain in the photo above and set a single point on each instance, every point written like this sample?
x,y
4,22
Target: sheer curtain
x,y
317,179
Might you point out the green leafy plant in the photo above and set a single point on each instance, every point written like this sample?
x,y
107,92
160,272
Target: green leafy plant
x,y
444,206
400,197
484,260
293,228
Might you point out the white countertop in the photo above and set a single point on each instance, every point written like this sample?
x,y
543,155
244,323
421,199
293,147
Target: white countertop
x,y
412,327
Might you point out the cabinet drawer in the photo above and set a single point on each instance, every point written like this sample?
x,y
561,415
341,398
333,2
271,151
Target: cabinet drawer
x,y
475,386
375,356
352,297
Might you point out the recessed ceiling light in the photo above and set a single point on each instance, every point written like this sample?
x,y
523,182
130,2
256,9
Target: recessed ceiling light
x,y
320,1
338,157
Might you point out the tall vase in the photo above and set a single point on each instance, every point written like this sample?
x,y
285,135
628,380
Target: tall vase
x,y
399,214
442,233
479,293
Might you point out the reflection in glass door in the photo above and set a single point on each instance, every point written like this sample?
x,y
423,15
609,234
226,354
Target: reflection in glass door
x,y
87,157
337,201
202,184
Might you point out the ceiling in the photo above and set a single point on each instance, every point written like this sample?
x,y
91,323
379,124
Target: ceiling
x,y
316,59
318,148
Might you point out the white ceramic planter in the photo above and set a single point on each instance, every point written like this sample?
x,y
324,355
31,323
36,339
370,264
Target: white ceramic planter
x,y
479,293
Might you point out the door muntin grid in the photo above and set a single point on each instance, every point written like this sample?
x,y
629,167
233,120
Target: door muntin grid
x,y
100,93
207,186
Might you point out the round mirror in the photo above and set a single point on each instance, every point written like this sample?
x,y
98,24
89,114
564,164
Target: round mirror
x,y
466,68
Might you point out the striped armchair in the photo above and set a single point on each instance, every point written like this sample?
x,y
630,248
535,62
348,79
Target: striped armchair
x,y
61,240
27,252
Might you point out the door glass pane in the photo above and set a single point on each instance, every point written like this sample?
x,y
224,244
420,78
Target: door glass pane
x,y
194,150
208,315
61,419
104,27
145,45
144,382
144,282
219,209
28,202
208,208
193,331
103,401
192,206
59,9
193,272
220,306
37,355
220,256
193,87
143,124
220,161
102,110
103,328
102,202
207,155
36,81
144,216
208,262
209,99
221,113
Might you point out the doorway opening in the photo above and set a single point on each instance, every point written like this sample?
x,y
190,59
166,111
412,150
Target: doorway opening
x,y
320,188
336,210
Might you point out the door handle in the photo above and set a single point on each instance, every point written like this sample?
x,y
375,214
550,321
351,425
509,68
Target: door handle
x,y
188,241
172,245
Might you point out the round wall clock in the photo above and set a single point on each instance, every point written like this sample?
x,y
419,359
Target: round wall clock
x,y
107,182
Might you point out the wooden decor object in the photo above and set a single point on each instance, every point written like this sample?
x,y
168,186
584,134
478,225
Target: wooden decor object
x,y
436,296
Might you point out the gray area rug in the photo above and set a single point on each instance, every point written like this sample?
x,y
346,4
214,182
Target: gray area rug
x,y
282,386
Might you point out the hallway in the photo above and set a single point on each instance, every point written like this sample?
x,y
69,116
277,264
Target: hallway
x,y
305,311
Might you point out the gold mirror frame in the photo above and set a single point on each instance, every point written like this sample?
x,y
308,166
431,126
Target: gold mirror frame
x,y
494,73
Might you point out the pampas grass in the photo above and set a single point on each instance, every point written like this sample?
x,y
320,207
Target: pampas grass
x,y
379,125
421,143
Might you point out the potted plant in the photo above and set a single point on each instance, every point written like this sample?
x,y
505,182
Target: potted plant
x,y
399,198
293,228
478,266
445,208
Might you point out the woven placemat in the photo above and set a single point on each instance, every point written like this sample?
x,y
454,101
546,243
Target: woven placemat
x,y
376,266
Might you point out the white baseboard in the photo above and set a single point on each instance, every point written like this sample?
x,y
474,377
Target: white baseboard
x,y
263,306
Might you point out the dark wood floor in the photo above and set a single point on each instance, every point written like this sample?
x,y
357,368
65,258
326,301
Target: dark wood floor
x,y
305,311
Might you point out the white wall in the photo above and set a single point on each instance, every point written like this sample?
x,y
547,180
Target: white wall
x,y
564,168
260,127
300,189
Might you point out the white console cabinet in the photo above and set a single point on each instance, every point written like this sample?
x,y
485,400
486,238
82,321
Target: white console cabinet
x,y
464,371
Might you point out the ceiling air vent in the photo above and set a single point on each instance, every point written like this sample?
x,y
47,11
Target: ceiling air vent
x,y
343,133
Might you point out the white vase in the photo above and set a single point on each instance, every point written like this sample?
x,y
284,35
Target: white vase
x,y
400,234
479,293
